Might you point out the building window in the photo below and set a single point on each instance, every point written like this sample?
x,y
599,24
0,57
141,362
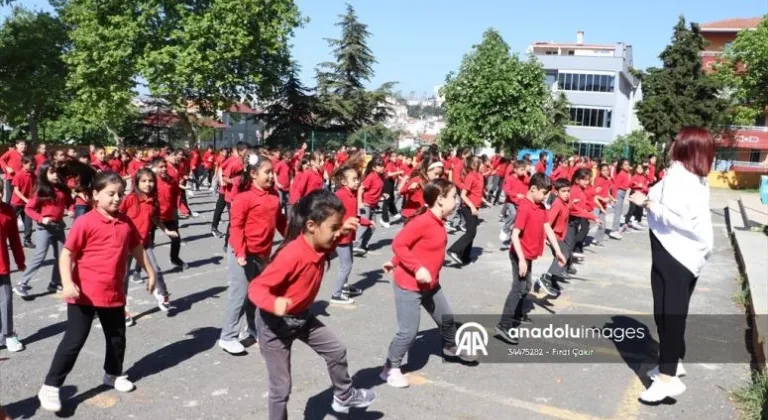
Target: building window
x,y
754,156
592,150
586,82
590,117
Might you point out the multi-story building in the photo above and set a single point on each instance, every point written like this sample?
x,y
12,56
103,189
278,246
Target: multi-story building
x,y
600,89
744,156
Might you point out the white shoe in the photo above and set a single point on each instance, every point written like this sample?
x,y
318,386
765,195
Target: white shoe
x,y
13,344
504,237
395,218
120,383
162,301
49,398
385,225
232,346
636,226
129,322
615,235
577,255
653,373
195,214
190,193
394,378
660,390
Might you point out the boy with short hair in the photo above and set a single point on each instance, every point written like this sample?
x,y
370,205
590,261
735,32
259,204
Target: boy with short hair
x,y
557,217
530,228
23,186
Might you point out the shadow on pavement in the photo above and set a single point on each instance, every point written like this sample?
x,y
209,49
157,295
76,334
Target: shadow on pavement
x,y
201,339
46,332
380,244
184,304
319,407
370,278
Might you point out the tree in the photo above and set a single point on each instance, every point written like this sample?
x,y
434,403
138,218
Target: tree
x,y
376,137
679,94
495,97
32,74
290,113
634,146
343,102
554,136
745,70
198,56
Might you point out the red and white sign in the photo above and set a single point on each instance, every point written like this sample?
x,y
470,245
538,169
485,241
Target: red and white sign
x,y
746,139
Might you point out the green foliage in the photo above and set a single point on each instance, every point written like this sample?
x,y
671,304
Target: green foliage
x,y
752,399
343,102
290,113
634,146
373,137
495,97
745,70
32,72
679,94
419,111
554,136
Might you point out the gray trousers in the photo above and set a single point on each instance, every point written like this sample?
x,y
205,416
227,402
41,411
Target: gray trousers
x,y
238,304
45,236
162,289
345,267
276,337
509,219
215,183
364,233
408,308
618,209
600,232
6,308
518,293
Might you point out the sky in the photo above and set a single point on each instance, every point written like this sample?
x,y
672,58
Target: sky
x,y
417,42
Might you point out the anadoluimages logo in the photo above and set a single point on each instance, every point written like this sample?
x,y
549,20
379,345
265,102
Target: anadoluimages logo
x,y
471,337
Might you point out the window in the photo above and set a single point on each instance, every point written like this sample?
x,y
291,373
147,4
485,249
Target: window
x,y
727,46
586,82
754,156
590,117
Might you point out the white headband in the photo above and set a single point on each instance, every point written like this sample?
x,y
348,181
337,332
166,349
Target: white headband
x,y
253,159
434,165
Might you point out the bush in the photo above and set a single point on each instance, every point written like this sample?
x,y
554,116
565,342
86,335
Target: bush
x,y
634,146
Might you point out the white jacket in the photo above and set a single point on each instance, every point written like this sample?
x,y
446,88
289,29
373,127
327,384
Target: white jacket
x,y
680,217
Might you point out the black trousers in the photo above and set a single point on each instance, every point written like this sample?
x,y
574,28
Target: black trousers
x,y
172,225
389,203
515,302
463,246
635,212
580,227
220,206
672,285
79,321
27,223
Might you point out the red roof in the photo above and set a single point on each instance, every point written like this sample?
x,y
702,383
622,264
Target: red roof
x,y
736,24
241,108
428,138
166,119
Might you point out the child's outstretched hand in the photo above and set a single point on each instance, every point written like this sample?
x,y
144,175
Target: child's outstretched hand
x,y
151,281
70,291
350,225
423,276
281,305
388,267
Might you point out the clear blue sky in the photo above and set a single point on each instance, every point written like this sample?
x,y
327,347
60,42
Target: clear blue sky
x,y
416,42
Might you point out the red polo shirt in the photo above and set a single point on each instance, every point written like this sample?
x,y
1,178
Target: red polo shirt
x,y
421,243
134,166
100,246
473,186
283,174
373,187
557,216
530,220
139,210
349,200
232,168
295,273
9,235
414,199
579,203
117,166
25,182
52,208
11,159
255,216
541,167
101,166
304,183
603,186
40,159
168,192
639,183
621,181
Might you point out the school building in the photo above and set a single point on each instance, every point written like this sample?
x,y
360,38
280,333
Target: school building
x,y
600,89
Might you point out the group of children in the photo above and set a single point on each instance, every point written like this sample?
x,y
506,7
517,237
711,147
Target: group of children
x,y
320,206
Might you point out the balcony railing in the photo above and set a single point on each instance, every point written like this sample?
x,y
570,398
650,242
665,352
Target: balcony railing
x,y
710,53
750,128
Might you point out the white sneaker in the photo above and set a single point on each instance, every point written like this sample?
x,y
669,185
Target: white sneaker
x,y
615,235
49,398
13,344
195,214
636,226
162,301
653,373
385,225
394,378
395,218
577,255
120,383
232,346
190,193
504,237
129,322
660,390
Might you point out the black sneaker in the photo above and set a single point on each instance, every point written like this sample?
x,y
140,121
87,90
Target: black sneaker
x,y
545,284
180,264
503,334
571,270
29,245
342,299
455,258
524,320
55,288
351,290
452,351
216,233
360,398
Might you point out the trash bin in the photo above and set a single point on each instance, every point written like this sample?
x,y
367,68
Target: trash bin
x,y
764,189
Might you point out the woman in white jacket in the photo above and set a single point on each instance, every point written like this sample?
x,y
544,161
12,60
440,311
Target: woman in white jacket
x,y
681,241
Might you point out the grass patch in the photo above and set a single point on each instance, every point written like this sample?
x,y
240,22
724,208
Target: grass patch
x,y
752,400
741,296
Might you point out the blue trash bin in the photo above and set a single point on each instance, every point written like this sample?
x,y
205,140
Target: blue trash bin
x,y
764,189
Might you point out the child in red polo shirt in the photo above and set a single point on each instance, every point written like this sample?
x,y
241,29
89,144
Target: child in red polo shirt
x,y
284,292
368,195
142,208
168,192
93,264
472,197
580,206
419,254
255,216
557,217
603,186
47,208
309,180
531,227
347,183
23,187
9,237
282,178
621,183
413,190
638,183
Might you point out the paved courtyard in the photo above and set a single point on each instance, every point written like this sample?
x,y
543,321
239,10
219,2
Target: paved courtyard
x,y
180,373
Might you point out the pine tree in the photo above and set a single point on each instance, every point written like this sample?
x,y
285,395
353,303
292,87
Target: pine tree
x,y
290,114
344,104
554,136
679,93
